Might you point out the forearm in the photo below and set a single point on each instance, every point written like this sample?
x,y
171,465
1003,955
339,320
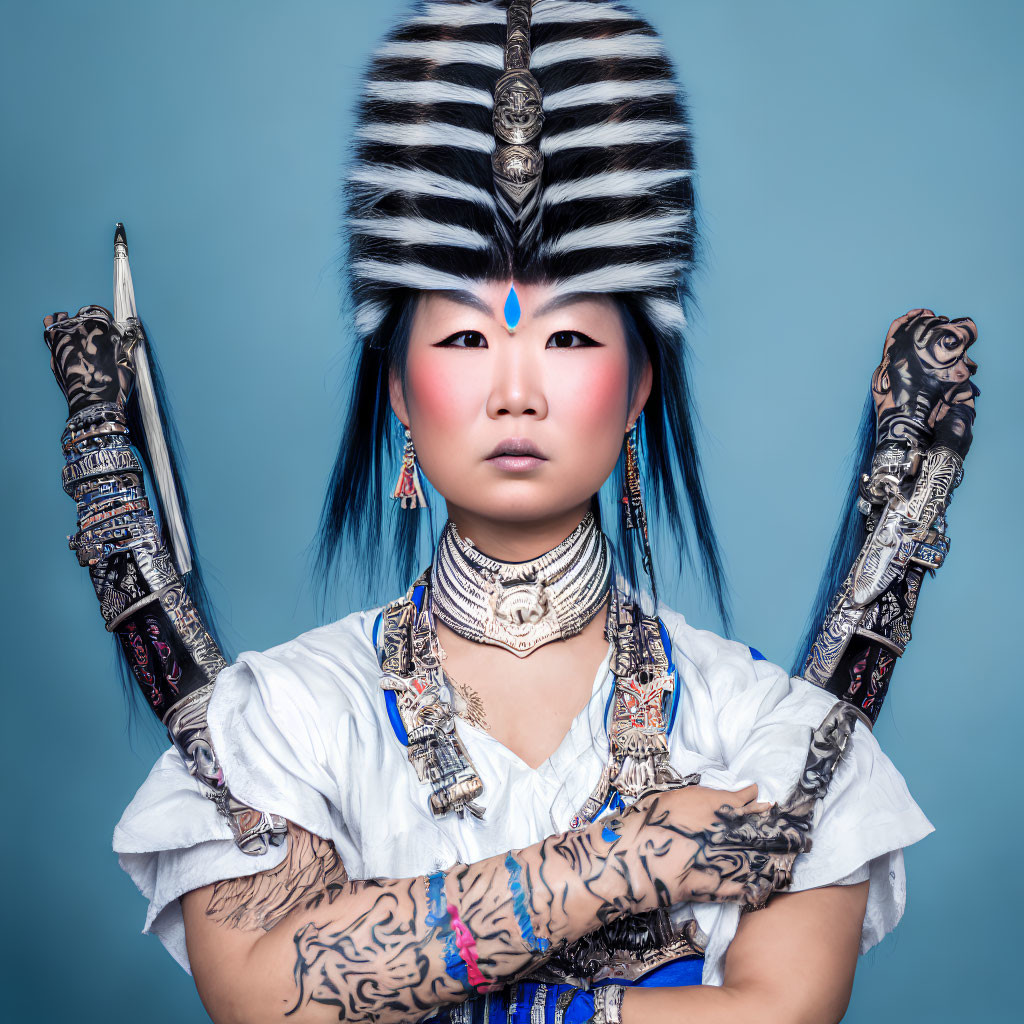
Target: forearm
x,y
791,963
389,950
695,1004
142,598
869,623
172,655
924,416
714,1004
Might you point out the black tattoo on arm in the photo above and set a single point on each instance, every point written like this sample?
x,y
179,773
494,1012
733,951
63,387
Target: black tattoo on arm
x,y
392,950
310,870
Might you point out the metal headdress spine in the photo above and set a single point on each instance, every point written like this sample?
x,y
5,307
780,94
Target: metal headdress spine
x,y
517,117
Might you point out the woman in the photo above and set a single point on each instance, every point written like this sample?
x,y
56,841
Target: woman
x,y
519,306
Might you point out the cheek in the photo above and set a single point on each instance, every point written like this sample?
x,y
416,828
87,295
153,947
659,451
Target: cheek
x,y
441,392
592,394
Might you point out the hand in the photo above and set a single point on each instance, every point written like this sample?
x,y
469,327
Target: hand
x,y
708,845
922,387
89,357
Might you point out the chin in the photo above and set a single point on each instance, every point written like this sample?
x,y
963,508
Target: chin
x,y
519,503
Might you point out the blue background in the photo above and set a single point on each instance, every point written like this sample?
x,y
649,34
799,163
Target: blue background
x,y
857,160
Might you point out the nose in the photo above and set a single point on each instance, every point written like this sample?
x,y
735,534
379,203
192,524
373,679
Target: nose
x,y
517,388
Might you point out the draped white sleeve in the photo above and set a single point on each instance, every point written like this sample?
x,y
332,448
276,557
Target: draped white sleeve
x,y
281,723
742,720
303,730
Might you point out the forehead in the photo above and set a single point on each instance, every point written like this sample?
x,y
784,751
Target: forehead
x,y
491,298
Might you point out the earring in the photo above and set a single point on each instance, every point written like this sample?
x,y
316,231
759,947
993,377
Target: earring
x,y
634,515
408,490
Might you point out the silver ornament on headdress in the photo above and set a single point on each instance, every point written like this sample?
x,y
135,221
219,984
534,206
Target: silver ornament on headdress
x,y
517,118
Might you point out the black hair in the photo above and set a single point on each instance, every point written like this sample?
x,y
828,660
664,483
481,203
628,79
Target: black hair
x,y
847,540
193,581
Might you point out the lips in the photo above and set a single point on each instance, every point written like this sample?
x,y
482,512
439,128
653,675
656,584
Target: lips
x,y
516,447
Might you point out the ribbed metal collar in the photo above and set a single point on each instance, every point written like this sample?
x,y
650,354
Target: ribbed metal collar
x,y
521,605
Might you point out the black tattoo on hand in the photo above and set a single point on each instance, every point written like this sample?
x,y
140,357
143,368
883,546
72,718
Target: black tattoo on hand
x,y
88,357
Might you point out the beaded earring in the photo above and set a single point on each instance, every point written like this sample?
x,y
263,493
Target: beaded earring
x,y
634,515
408,490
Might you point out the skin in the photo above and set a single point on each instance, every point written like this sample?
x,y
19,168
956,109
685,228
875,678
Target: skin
x,y
468,376
303,941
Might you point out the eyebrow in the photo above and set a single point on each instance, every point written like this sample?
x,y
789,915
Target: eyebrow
x,y
468,298
560,301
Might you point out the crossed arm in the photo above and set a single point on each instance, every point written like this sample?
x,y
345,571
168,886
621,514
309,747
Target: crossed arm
x,y
791,963
302,941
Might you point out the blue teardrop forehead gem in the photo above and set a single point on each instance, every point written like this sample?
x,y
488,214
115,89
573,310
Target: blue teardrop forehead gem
x,y
513,311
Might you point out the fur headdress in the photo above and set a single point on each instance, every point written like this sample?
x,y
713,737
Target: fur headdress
x,y
612,207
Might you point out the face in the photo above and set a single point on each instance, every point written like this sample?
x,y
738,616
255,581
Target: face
x,y
517,426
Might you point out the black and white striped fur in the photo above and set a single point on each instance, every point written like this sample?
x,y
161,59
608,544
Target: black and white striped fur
x,y
614,212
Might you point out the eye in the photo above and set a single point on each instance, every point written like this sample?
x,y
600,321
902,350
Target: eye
x,y
464,339
570,339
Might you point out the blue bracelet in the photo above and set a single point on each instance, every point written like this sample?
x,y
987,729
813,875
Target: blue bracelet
x,y
515,884
438,917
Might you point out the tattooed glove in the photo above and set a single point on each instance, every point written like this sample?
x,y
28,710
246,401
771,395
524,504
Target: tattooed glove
x,y
744,855
172,655
924,406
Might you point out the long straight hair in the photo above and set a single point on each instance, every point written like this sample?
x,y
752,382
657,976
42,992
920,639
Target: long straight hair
x,y
193,582
383,544
847,540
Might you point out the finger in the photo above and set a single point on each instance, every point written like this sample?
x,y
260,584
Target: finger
x,y
902,321
955,373
745,795
955,412
967,324
95,312
895,326
964,334
920,326
48,323
908,316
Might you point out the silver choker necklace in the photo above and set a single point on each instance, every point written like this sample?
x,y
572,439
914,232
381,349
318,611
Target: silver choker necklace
x,y
521,605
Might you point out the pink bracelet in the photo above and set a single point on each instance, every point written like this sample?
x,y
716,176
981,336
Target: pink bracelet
x,y
467,950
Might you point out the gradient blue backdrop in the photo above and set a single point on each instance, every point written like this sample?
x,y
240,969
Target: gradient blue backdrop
x,y
857,160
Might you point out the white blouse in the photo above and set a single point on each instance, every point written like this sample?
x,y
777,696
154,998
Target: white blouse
x,y
302,730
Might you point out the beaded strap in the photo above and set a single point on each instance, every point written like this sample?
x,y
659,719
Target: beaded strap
x,y
467,950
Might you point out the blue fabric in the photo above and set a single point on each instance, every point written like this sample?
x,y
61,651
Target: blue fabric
x,y
756,654
390,697
667,643
514,1005
395,716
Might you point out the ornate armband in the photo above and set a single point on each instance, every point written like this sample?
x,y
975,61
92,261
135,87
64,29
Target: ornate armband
x,y
143,600
868,623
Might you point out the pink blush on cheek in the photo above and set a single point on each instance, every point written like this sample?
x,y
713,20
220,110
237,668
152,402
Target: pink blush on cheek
x,y
594,395
442,392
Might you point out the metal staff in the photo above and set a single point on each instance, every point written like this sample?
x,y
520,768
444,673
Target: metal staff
x,y
136,343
